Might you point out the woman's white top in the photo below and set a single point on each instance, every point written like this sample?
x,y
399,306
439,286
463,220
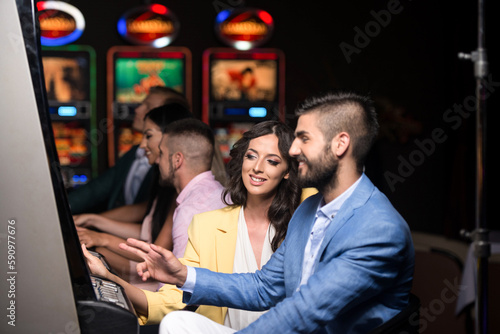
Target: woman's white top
x,y
244,262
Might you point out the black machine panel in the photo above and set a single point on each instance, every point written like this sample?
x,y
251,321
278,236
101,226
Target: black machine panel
x,y
102,306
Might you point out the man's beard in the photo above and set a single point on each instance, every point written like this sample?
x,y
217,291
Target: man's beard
x,y
321,172
168,181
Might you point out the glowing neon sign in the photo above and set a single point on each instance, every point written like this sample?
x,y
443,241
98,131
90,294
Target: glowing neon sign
x,y
153,25
60,23
244,28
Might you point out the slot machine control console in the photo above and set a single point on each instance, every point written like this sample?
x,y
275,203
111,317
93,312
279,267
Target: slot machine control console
x,y
111,311
110,292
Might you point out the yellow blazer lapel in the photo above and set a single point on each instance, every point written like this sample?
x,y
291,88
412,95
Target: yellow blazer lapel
x,y
225,239
226,231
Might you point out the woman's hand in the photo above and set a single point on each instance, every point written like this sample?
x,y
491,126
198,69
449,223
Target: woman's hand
x,y
98,222
159,263
95,265
91,238
88,220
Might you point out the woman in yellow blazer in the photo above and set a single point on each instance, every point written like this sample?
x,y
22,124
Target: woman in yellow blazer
x,y
262,194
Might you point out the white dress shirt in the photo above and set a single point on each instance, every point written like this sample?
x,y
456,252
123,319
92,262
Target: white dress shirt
x,y
324,216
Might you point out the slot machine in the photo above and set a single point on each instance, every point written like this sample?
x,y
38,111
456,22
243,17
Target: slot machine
x,y
241,88
70,80
242,84
48,287
132,70
70,83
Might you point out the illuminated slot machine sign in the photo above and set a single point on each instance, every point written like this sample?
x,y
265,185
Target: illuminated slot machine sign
x,y
241,88
60,23
69,73
132,71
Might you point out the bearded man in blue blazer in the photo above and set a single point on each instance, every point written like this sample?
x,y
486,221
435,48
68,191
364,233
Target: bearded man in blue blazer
x,y
346,264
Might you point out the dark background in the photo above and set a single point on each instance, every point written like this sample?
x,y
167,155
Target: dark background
x,y
410,67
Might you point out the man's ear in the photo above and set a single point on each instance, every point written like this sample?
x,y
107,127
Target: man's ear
x,y
340,144
177,160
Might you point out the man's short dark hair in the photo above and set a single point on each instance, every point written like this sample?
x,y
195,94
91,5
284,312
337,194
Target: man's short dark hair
x,y
190,126
347,111
194,138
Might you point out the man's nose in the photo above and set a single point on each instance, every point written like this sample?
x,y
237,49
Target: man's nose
x,y
294,149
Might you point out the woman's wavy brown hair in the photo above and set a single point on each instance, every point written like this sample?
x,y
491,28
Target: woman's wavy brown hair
x,y
288,193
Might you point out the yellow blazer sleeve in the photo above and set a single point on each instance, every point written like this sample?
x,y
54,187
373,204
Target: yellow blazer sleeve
x,y
167,299
209,234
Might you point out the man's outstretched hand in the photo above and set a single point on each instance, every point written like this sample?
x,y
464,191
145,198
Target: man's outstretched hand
x,y
159,263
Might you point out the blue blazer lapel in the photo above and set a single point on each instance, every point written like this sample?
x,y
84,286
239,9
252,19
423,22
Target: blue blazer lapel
x,y
358,198
296,244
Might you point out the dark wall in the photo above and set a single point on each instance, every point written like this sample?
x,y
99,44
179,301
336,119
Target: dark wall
x,y
425,157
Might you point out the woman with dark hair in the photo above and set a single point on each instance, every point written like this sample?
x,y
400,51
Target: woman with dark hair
x,y
114,226
262,194
282,201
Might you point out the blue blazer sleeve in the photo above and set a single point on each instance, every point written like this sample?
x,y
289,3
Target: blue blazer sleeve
x,y
362,277
255,292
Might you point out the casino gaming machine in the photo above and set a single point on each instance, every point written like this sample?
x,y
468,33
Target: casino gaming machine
x,y
69,73
241,88
47,286
242,84
132,70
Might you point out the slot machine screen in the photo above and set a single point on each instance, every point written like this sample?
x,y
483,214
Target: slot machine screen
x,y
243,86
134,77
132,71
66,77
250,80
